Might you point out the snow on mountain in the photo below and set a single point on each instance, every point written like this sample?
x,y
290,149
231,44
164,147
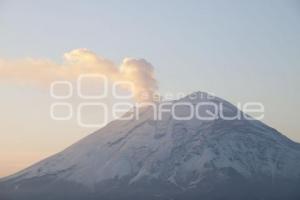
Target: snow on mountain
x,y
191,157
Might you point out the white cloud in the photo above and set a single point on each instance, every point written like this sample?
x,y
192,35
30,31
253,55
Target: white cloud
x,y
81,61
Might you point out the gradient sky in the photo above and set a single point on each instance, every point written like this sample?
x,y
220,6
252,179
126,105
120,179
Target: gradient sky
x,y
239,50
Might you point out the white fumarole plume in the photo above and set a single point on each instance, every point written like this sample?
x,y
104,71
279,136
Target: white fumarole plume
x,y
82,61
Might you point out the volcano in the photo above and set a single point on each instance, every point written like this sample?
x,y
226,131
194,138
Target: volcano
x,y
169,158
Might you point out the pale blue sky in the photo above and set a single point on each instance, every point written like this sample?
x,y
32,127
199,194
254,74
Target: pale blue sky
x,y
239,50
228,40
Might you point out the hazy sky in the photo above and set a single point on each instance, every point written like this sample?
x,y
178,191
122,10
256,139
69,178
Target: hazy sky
x,y
239,50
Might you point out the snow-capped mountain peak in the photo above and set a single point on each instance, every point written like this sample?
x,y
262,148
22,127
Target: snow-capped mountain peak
x,y
180,156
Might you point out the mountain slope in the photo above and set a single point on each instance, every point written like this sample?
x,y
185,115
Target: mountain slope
x,y
168,159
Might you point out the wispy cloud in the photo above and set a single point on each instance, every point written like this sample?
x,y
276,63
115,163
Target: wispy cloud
x,y
81,61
